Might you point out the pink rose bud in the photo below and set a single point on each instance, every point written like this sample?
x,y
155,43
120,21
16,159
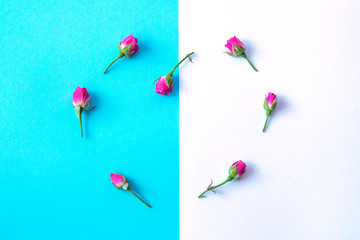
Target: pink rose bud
x,y
236,170
81,97
80,101
237,49
120,182
235,46
127,48
165,83
269,105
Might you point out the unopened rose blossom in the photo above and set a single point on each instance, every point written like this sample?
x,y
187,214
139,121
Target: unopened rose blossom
x,y
127,48
237,49
236,171
165,83
269,105
121,183
80,102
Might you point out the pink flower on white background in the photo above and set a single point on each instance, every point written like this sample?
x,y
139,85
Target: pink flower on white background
x,y
236,171
120,182
165,83
127,48
271,101
237,49
235,46
269,105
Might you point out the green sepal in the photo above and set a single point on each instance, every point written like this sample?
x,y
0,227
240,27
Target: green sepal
x,y
121,54
229,53
78,111
273,106
86,105
156,80
266,106
125,50
268,112
169,80
232,171
125,186
239,51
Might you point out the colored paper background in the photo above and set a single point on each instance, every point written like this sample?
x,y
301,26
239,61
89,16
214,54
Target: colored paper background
x,y
302,181
54,185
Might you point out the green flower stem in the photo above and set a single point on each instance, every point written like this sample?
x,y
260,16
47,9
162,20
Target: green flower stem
x,y
113,62
267,118
81,109
187,56
244,55
213,187
138,197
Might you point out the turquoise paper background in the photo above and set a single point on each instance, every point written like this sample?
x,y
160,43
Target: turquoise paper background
x,y
54,185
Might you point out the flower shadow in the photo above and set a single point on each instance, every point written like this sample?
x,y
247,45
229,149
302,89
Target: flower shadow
x,y
94,105
281,106
249,48
137,190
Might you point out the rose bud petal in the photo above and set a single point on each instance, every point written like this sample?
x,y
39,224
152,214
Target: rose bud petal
x,y
118,180
81,97
237,169
164,85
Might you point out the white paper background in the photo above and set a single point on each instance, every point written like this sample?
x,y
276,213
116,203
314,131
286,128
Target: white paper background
x,y
303,173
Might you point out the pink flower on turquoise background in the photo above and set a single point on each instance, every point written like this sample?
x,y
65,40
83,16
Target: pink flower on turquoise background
x,y
121,183
118,180
81,97
80,101
127,48
236,171
269,105
165,83
237,49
